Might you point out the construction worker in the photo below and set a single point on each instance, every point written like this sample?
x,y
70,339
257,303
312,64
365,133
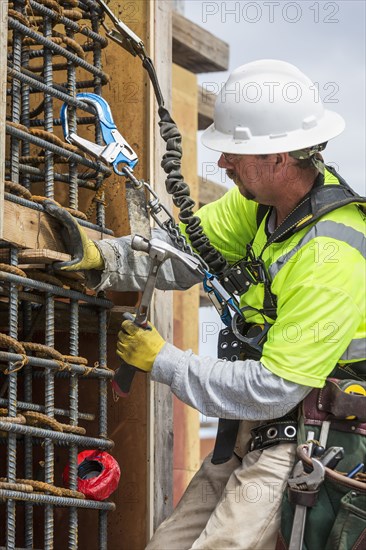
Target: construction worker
x,y
306,299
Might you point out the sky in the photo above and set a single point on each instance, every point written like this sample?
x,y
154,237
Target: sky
x,y
326,40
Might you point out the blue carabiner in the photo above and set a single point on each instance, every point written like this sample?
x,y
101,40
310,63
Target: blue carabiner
x,y
116,150
220,298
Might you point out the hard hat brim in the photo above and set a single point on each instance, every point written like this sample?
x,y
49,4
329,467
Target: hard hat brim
x,y
328,127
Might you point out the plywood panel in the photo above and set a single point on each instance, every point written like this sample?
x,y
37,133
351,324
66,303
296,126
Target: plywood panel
x,y
127,95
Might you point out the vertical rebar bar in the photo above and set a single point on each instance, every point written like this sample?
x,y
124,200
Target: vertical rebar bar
x,y
50,319
49,409
28,445
74,390
71,88
103,530
48,108
97,61
24,119
102,331
12,405
16,99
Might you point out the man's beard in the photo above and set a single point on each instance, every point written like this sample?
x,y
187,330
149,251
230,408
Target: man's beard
x,y
247,194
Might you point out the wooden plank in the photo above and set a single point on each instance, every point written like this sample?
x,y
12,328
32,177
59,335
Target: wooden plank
x,y
196,49
186,419
206,106
161,412
34,256
33,229
3,69
210,191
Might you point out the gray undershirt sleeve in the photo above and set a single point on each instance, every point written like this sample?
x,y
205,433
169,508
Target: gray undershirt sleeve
x,y
238,390
127,271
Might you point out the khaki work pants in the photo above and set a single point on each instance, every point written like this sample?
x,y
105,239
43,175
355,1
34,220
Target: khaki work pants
x,y
232,505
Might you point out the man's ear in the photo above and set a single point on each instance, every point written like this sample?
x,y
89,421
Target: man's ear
x,y
280,161
281,158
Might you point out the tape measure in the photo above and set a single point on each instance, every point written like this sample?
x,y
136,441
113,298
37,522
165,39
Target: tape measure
x,y
354,389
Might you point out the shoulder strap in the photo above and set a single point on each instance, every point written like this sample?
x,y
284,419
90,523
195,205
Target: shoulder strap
x,y
321,200
261,212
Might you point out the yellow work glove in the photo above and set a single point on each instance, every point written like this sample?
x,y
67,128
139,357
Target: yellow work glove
x,y
137,346
85,253
91,256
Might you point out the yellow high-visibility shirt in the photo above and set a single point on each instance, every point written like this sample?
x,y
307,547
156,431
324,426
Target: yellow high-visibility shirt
x,y
318,276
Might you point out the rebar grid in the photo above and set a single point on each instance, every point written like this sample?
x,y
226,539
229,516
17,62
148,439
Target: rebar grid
x,y
52,48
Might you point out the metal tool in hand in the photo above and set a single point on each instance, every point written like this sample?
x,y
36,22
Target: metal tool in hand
x,y
159,251
302,481
116,150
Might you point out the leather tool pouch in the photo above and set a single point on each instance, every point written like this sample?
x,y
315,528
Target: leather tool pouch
x,y
338,519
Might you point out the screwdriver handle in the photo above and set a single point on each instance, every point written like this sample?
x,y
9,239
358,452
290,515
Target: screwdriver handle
x,y
124,375
123,378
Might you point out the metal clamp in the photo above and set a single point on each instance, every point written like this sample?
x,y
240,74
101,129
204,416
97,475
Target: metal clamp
x,y
123,35
116,150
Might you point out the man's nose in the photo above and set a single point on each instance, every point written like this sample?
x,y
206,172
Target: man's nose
x,y
222,162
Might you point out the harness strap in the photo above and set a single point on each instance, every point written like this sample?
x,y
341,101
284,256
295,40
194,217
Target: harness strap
x,y
321,200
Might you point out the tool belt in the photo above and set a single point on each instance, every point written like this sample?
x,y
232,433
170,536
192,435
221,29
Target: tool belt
x,y
338,520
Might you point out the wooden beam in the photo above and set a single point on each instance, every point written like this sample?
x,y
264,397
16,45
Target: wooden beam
x,y
206,106
34,229
210,191
160,459
196,49
3,68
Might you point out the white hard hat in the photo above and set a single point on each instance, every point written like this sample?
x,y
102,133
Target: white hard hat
x,y
269,106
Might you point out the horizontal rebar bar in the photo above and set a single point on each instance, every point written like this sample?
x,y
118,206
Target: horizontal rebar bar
x,y
28,169
57,91
56,290
25,136
58,121
57,501
82,440
49,363
22,405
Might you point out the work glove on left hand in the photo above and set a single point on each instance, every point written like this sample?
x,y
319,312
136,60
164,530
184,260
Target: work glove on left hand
x,y
84,251
137,346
